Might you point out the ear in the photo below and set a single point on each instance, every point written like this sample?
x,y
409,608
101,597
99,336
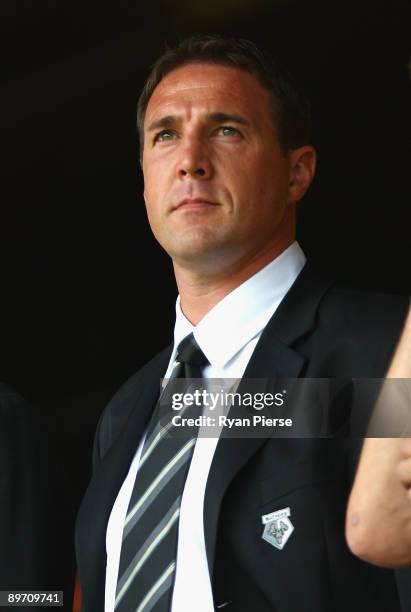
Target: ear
x,y
302,169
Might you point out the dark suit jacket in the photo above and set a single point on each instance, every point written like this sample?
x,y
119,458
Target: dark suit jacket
x,y
318,331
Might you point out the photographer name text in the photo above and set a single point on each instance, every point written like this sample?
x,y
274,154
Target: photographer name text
x,y
225,421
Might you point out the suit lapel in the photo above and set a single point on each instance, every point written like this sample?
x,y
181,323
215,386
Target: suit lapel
x,y
273,357
110,474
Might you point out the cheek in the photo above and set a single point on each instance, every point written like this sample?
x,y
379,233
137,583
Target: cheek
x,y
149,183
149,211
236,176
156,179
151,196
154,219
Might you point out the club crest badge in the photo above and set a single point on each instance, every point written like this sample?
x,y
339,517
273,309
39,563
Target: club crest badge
x,y
277,527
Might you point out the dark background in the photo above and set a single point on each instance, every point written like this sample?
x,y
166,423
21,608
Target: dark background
x,y
87,296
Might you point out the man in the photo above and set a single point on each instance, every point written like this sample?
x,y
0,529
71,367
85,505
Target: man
x,y
226,156
385,507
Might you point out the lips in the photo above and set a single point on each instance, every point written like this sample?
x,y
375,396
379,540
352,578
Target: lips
x,y
194,203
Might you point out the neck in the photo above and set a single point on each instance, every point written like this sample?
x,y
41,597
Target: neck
x,y
201,290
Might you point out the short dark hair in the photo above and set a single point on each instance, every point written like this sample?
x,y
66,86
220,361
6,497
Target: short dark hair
x,y
291,109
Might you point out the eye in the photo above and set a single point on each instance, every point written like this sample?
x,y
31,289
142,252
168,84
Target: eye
x,y
227,130
164,136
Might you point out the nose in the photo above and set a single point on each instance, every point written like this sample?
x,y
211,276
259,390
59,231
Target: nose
x,y
195,162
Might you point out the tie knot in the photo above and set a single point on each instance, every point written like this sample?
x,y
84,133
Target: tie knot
x,y
189,352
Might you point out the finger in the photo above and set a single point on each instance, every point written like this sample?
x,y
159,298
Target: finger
x,y
406,448
404,472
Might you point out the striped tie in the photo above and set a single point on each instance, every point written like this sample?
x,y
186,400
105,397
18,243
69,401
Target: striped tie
x,y
149,546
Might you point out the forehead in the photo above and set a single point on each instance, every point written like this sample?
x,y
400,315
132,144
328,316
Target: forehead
x,y
208,87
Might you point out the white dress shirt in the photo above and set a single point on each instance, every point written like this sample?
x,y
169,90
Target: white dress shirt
x,y
227,335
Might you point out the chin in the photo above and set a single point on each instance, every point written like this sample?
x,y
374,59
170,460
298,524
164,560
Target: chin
x,y
195,244
196,252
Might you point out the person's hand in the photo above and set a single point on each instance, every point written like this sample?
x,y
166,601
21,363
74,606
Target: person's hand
x,y
380,500
404,466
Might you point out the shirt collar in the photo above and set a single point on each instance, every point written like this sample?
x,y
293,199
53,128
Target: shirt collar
x,y
244,312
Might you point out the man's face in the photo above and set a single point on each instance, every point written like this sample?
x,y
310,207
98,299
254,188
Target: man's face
x,y
216,180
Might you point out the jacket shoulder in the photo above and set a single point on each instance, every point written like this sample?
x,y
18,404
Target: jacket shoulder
x,y
363,323
119,408
359,311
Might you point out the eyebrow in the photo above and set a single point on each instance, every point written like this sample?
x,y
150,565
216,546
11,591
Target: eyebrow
x,y
163,122
229,117
219,117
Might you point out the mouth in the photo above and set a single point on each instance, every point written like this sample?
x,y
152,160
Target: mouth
x,y
194,204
